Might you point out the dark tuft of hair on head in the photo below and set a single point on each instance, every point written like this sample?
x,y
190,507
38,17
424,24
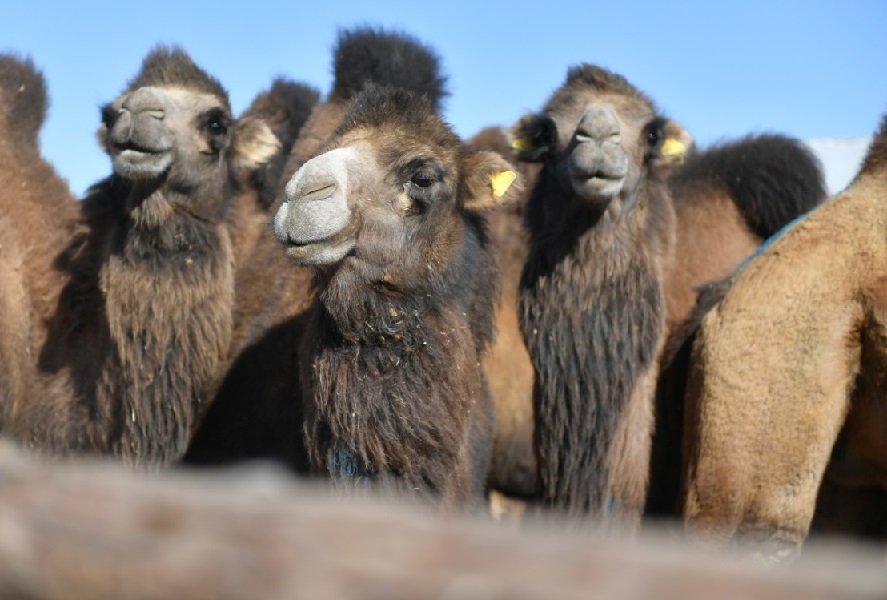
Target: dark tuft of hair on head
x,y
372,55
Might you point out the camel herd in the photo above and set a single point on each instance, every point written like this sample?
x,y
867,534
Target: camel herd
x,y
581,312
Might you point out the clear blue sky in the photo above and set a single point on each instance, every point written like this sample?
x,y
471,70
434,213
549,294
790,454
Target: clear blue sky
x,y
810,69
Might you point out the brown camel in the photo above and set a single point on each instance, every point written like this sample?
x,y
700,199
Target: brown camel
x,y
32,196
592,308
726,200
390,218
792,355
257,412
130,333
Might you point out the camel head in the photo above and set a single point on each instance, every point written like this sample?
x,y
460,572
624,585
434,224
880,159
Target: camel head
x,y
600,138
390,192
173,126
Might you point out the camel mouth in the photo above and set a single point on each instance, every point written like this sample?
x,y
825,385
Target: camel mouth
x,y
597,185
326,251
132,161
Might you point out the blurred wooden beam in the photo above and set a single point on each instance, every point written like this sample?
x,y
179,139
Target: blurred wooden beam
x,y
72,530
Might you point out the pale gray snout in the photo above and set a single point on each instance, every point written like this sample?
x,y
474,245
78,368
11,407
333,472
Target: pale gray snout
x,y
316,206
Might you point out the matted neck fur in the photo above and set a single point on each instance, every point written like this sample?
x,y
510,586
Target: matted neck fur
x,y
390,217
592,310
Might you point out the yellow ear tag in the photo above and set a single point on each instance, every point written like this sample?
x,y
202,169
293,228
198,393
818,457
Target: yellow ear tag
x,y
502,181
672,147
521,144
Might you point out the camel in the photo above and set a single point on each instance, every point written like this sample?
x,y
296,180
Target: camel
x,y
390,216
786,375
132,326
257,412
592,309
699,223
32,195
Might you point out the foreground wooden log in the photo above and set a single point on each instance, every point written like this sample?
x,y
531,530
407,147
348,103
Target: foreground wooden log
x,y
85,530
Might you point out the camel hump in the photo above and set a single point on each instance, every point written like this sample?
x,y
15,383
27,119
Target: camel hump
x,y
23,99
389,58
773,179
875,160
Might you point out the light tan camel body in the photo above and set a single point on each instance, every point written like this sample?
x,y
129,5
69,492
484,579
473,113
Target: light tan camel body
x,y
799,340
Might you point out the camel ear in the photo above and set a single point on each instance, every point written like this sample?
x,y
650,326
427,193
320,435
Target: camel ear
x,y
674,146
254,143
532,137
489,181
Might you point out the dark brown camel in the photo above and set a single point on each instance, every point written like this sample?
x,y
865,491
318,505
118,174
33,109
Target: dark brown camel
x,y
135,326
389,216
592,307
257,412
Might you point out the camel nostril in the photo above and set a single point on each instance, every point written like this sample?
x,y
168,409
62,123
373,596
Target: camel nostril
x,y
321,192
157,114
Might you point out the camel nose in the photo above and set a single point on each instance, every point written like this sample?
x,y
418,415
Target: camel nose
x,y
144,101
600,124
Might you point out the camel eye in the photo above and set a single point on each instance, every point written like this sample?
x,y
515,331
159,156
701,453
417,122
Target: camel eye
x,y
215,122
421,180
652,137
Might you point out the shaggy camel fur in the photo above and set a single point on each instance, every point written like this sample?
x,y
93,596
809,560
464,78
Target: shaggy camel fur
x,y
794,352
132,331
390,218
592,309
273,296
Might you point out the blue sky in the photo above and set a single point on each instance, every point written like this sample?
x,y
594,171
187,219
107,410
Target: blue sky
x,y
810,69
